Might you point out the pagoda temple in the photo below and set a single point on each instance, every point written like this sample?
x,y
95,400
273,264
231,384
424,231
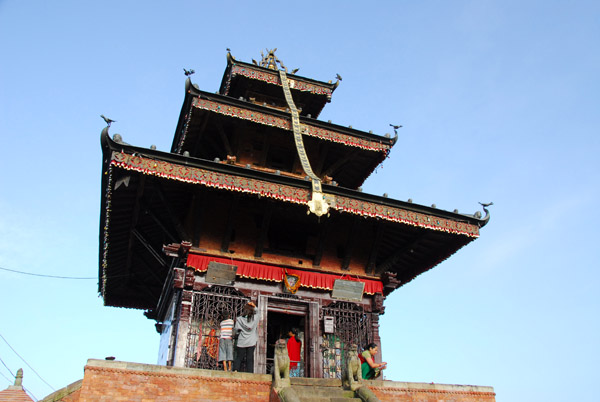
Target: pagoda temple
x,y
259,200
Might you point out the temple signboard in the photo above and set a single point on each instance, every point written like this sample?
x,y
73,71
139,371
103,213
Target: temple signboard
x,y
348,290
221,274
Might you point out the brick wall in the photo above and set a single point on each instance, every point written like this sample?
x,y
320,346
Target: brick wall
x,y
70,393
132,382
395,391
121,381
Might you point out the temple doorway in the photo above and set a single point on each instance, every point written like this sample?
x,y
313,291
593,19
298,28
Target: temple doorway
x,y
279,326
279,315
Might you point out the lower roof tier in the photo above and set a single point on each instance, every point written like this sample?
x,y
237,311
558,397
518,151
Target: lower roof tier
x,y
151,198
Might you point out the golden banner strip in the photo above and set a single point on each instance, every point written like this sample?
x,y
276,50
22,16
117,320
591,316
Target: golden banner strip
x,y
317,204
297,129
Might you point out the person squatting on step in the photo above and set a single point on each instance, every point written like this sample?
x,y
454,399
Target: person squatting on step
x,y
369,368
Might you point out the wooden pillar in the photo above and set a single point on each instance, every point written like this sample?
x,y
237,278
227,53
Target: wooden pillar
x,y
375,335
260,352
315,360
183,328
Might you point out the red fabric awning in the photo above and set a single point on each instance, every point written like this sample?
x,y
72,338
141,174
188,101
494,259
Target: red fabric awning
x,y
252,270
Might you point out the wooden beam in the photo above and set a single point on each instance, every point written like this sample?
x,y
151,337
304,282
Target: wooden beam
x,y
324,231
157,220
230,219
183,236
134,220
339,163
223,135
394,258
323,151
379,229
155,254
264,229
198,201
201,131
350,243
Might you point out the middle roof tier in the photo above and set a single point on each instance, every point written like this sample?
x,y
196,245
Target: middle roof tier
x,y
246,134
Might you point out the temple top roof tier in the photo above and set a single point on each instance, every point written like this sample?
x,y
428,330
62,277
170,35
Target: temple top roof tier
x,y
260,83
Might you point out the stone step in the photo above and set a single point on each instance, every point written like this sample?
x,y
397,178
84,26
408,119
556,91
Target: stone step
x,y
324,399
323,392
317,382
345,400
313,399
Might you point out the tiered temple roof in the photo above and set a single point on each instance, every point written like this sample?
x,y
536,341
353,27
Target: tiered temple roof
x,y
233,166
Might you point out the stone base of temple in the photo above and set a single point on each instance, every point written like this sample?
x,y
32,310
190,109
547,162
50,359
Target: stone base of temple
x,y
115,380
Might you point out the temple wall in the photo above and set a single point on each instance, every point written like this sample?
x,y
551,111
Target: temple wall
x,y
207,227
166,333
192,336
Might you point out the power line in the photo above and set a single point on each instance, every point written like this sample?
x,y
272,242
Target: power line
x,y
46,276
9,381
9,370
28,365
30,393
63,277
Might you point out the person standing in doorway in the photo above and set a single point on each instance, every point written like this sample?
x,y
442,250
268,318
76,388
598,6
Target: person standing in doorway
x,y
226,342
294,347
246,329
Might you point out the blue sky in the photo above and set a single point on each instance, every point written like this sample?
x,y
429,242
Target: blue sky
x,y
499,102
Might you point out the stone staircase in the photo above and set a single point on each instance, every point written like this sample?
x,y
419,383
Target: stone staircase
x,y
322,390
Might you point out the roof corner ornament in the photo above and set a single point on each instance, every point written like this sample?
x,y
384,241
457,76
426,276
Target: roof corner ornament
x,y
230,58
108,123
271,62
395,127
338,78
107,120
188,80
486,218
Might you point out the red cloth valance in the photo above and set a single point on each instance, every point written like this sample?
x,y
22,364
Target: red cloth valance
x,y
263,272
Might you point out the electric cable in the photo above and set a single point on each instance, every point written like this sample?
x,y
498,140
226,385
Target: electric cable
x,y
9,370
46,276
31,394
9,381
28,365
63,277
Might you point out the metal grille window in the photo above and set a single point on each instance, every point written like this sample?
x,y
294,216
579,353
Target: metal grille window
x,y
208,310
352,326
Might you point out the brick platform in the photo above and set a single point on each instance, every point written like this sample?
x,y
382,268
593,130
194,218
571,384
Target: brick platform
x,y
396,391
122,381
